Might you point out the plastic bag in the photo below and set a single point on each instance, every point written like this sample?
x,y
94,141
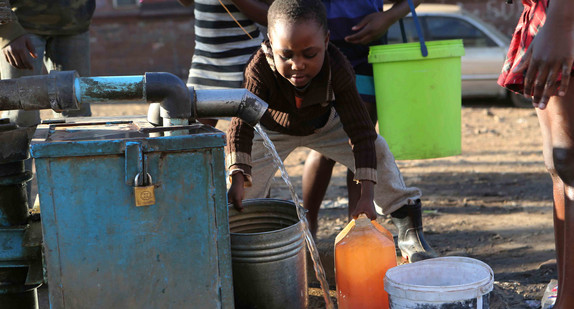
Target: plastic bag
x,y
549,297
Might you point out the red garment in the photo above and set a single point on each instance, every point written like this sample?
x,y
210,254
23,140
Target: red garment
x,y
531,20
298,101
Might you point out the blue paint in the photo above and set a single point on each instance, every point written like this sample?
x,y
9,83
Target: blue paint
x,y
11,249
110,89
101,251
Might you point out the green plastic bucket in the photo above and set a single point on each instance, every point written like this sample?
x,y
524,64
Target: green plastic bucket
x,y
418,98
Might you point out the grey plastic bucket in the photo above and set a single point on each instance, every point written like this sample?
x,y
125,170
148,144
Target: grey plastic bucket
x,y
446,282
268,255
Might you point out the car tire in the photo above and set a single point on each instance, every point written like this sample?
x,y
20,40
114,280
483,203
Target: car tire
x,y
519,100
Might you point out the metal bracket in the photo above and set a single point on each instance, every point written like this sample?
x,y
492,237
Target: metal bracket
x,y
135,161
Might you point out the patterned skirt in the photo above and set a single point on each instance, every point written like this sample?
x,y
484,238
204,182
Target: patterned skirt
x,y
531,20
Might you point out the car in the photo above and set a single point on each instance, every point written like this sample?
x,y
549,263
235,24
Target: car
x,y
485,48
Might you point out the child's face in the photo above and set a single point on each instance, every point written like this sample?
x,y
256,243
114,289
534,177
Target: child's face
x,y
298,50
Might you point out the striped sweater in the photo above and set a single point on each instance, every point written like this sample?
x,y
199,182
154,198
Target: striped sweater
x,y
334,86
222,49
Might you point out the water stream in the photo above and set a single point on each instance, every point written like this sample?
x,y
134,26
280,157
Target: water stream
x,y
319,271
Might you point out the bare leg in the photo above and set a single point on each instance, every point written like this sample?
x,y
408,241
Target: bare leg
x,y
316,176
354,191
353,188
557,126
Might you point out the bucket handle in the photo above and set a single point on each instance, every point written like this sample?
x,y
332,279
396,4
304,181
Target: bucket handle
x,y
424,50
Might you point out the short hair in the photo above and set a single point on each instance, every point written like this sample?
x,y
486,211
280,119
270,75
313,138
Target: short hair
x,y
297,10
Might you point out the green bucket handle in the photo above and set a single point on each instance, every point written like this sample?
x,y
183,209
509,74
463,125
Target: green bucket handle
x,y
424,50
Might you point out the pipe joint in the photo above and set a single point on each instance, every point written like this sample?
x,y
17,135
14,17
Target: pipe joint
x,y
61,94
171,92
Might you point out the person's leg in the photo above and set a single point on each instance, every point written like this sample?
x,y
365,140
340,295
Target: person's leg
x,y
316,176
392,196
353,192
402,204
263,167
67,53
353,188
557,127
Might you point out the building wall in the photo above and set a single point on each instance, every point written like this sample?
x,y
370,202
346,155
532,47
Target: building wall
x,y
158,35
154,37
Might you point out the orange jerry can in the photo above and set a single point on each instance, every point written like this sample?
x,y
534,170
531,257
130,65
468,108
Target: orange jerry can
x,y
364,251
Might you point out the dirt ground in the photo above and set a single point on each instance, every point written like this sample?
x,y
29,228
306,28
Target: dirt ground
x,y
493,202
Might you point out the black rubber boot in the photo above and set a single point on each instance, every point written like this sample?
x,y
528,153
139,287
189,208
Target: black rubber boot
x,y
411,241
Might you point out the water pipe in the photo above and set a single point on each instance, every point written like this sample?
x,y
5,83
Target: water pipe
x,y
53,91
218,103
230,102
166,88
64,90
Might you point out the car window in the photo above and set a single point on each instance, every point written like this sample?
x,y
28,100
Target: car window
x,y
394,34
448,28
440,28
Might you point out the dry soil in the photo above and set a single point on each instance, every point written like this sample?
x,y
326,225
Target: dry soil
x,y
493,202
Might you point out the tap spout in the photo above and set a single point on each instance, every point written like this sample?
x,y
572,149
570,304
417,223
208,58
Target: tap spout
x,y
229,102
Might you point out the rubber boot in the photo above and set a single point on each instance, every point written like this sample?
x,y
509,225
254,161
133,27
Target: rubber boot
x,y
411,241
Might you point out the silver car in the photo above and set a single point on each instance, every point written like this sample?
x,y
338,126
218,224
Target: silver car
x,y
485,47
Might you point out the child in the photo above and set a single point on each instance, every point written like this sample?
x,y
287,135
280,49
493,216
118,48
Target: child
x,y
313,102
353,31
539,64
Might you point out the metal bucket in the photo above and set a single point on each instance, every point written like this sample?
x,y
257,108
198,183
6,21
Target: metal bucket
x,y
268,255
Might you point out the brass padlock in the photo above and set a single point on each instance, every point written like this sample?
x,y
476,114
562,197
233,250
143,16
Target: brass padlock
x,y
144,191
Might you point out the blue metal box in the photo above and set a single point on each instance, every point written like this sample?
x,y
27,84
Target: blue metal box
x,y
101,251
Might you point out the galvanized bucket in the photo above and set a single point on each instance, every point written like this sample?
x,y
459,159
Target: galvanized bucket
x,y
268,255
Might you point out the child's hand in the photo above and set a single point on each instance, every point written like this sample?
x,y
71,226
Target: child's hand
x,y
365,204
236,192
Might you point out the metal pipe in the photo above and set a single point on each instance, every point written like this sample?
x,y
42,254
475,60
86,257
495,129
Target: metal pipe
x,y
229,102
110,89
53,91
171,92
64,90
167,89
219,103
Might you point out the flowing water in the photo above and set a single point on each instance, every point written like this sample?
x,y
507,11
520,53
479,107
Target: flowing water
x,y
319,271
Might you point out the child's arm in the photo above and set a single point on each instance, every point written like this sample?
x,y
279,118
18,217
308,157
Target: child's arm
x,y
236,192
366,204
550,54
374,25
254,9
240,134
238,160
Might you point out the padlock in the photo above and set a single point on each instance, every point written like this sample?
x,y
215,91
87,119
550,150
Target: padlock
x,y
144,191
